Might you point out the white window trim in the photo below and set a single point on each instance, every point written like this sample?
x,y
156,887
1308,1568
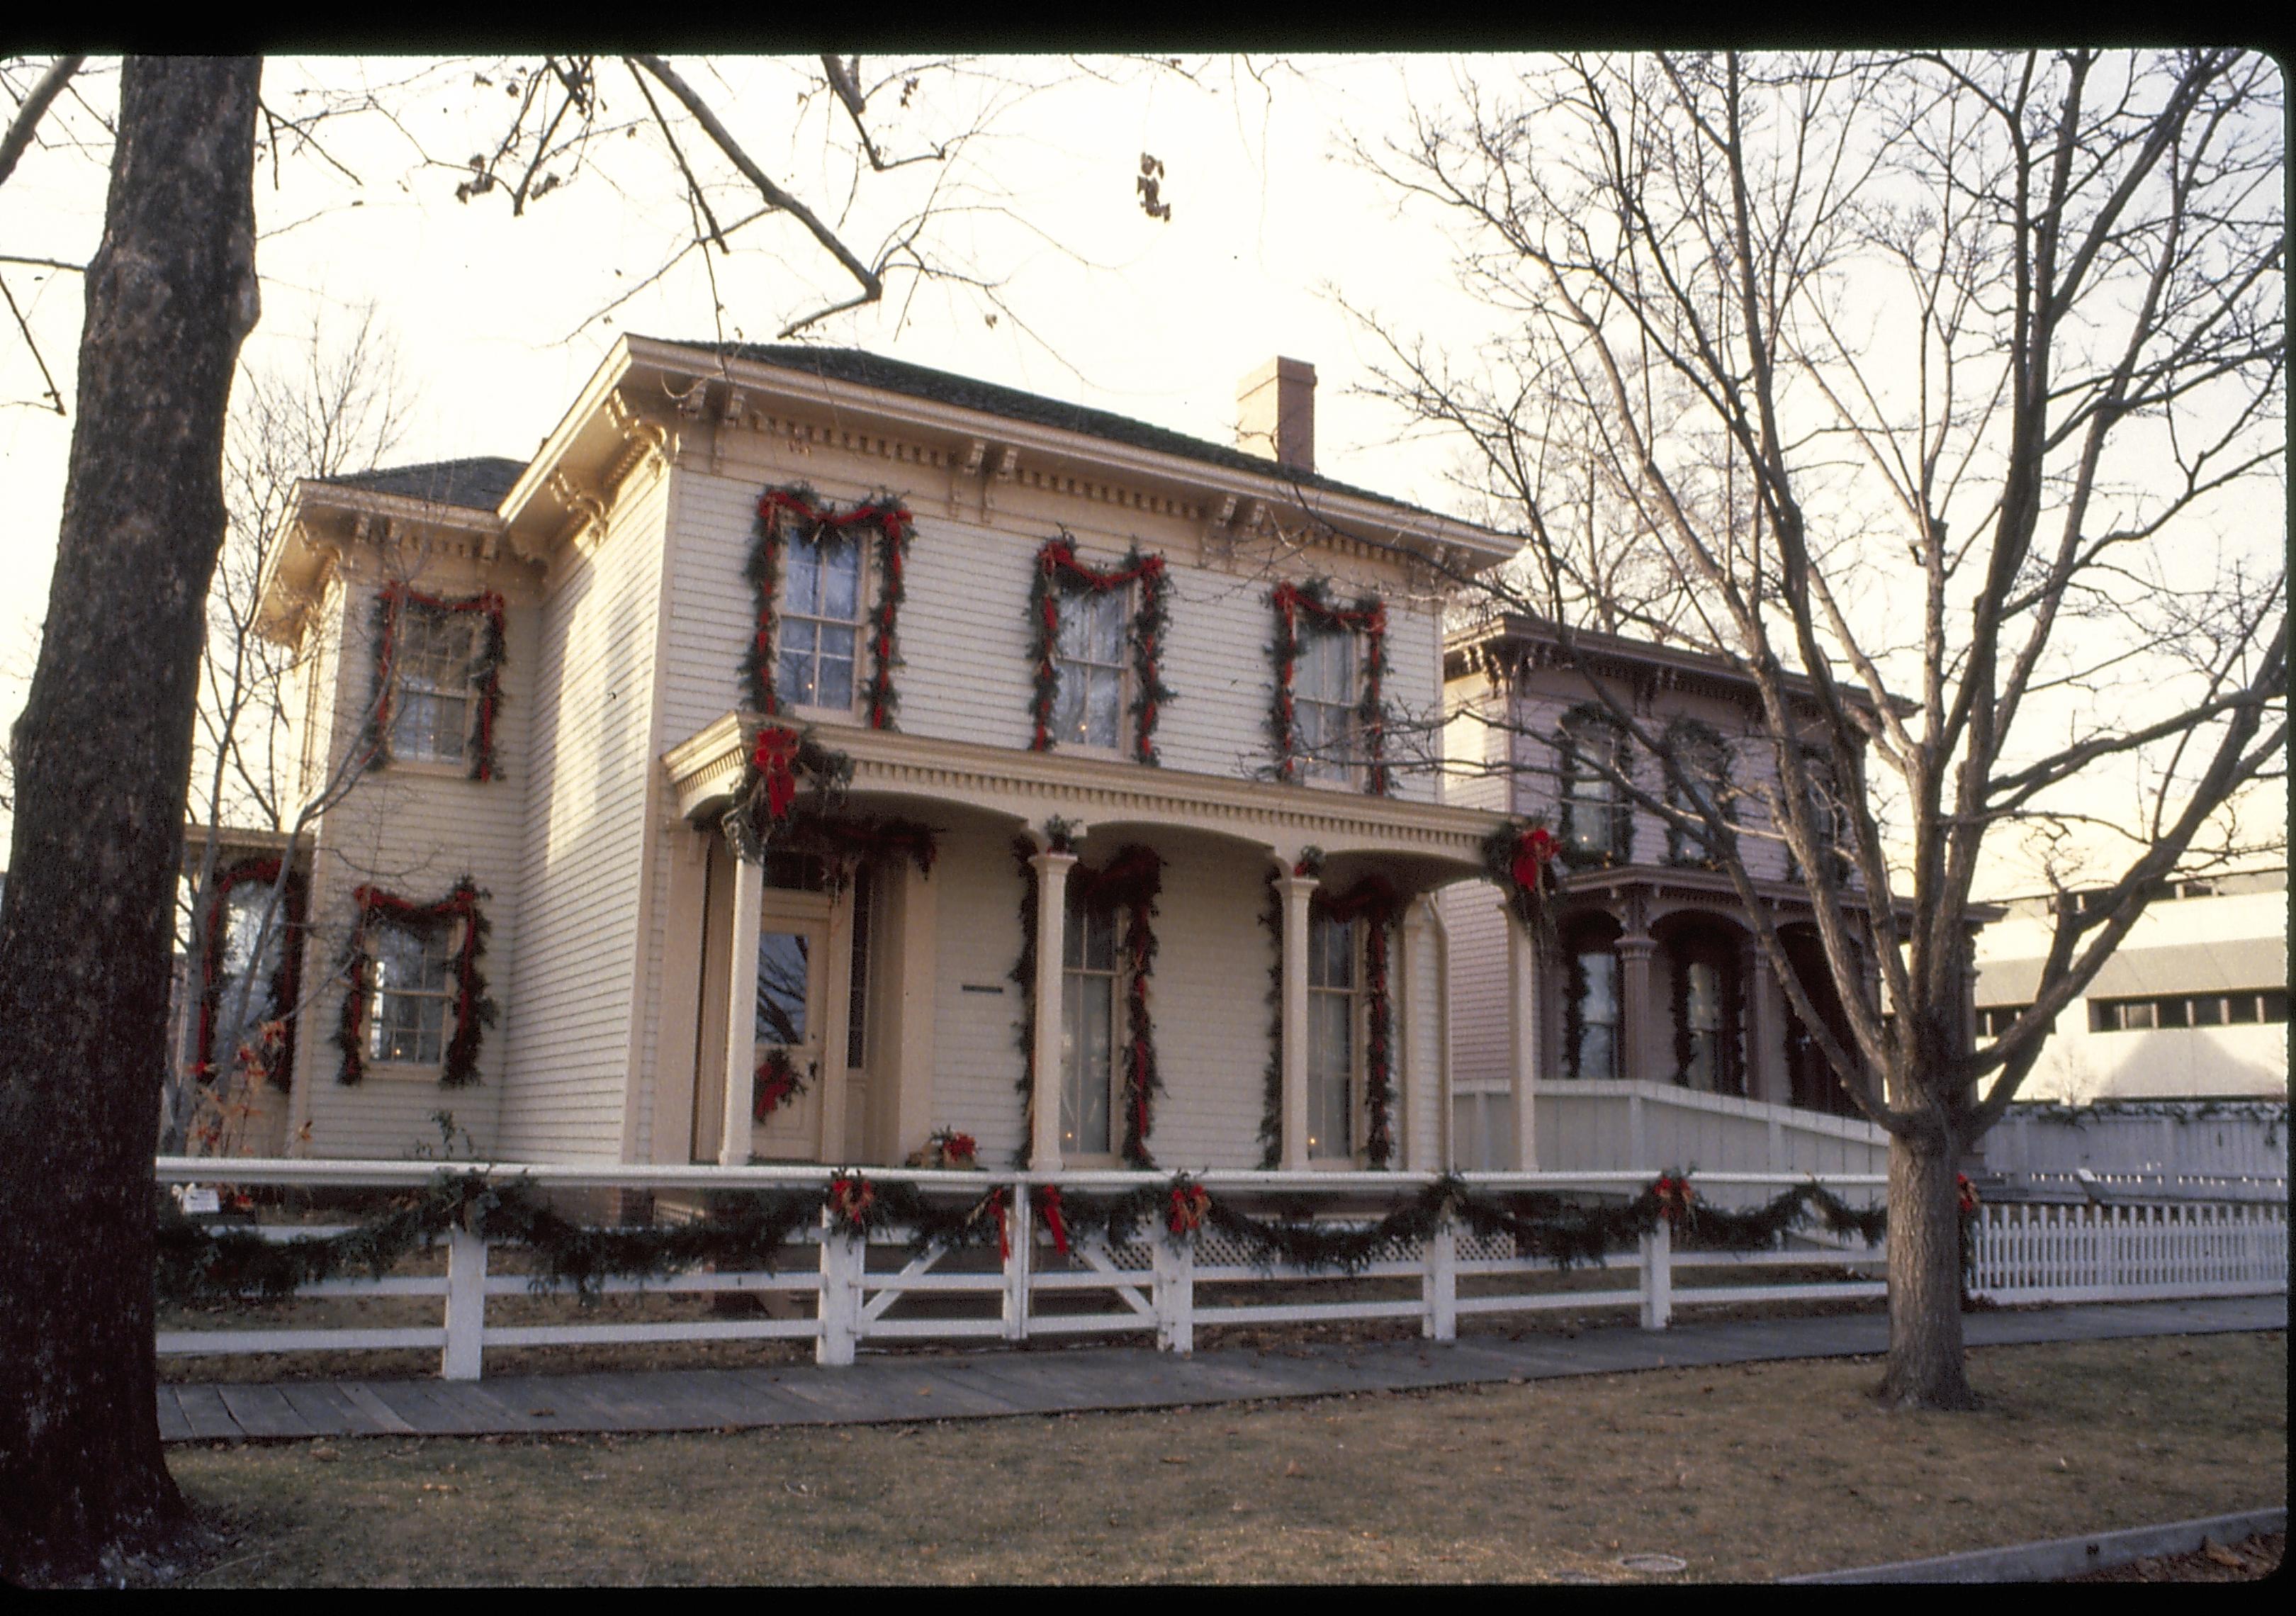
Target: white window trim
x,y
458,764
377,994
863,656
1125,719
1347,776
1119,1027
1358,1055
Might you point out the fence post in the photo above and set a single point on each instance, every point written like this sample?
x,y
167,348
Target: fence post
x,y
466,1307
1439,1286
1020,1259
1175,1295
843,1256
1658,1276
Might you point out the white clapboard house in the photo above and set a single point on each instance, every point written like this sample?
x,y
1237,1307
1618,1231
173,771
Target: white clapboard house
x,y
1082,763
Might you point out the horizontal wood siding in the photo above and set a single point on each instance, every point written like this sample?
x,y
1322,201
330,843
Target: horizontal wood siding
x,y
412,830
577,987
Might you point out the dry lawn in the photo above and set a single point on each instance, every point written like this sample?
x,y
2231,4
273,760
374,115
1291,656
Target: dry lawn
x,y
1745,1472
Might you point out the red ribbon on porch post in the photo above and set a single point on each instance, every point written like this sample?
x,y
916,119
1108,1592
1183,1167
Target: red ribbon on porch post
x,y
1048,1203
1531,857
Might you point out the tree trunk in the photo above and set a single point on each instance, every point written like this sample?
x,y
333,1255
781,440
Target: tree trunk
x,y
103,756
1926,1366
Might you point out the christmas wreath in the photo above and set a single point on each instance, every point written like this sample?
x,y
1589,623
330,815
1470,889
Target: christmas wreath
x,y
270,1055
485,667
1521,858
797,513
775,1083
1368,617
472,1009
1060,574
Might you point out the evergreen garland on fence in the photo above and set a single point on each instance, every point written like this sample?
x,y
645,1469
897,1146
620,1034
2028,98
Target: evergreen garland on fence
x,y
749,1229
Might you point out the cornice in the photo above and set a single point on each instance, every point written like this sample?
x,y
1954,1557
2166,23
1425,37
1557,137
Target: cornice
x,y
1028,786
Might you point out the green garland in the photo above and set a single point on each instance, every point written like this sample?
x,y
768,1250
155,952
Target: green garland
x,y
749,1229
798,512
1060,573
1578,728
1271,1085
1368,615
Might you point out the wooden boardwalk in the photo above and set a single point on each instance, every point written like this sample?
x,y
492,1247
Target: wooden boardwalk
x,y
981,1385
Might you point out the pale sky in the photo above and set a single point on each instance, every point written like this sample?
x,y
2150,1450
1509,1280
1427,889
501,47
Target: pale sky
x,y
1103,305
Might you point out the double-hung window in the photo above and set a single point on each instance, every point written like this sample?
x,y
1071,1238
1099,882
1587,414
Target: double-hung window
x,y
413,985
1089,1018
1325,695
1701,771
1088,665
1597,820
430,717
1594,986
820,623
1333,993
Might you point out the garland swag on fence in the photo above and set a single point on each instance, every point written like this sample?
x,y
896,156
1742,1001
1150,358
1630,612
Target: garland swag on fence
x,y
270,1058
798,512
1130,882
1059,574
1367,616
472,1009
485,667
749,1230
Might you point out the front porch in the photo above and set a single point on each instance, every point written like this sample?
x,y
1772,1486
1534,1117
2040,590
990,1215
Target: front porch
x,y
895,1002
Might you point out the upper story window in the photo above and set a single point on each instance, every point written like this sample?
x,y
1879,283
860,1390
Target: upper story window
x,y
820,634
1830,818
413,985
2248,1006
1597,820
1699,781
1326,693
1330,720
1088,670
431,722
437,673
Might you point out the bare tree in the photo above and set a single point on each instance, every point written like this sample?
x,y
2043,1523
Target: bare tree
x,y
104,750
1954,385
344,409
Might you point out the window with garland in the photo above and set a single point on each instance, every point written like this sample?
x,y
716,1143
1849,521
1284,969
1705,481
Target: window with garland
x,y
1089,668
1333,1007
1701,760
414,986
1327,693
820,628
432,716
1597,822
1830,818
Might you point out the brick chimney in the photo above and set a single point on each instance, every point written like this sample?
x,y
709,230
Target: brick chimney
x,y
1275,414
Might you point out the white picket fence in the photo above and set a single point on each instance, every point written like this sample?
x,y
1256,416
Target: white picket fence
x,y
851,1294
2039,1254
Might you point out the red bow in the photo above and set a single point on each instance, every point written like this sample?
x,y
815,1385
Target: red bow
x,y
1965,1193
1190,1202
1673,1197
775,760
1531,856
1048,1203
849,1200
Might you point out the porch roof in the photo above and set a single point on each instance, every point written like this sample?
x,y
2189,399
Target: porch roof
x,y
1028,787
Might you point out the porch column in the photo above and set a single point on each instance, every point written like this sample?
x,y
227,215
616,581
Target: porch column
x,y
1766,1058
1052,937
1636,1035
1522,1035
1295,891
740,1012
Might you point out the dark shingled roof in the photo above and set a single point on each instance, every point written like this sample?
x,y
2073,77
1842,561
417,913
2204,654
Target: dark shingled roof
x,y
919,381
476,484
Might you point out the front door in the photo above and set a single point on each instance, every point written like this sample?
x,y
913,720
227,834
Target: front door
x,y
787,1027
